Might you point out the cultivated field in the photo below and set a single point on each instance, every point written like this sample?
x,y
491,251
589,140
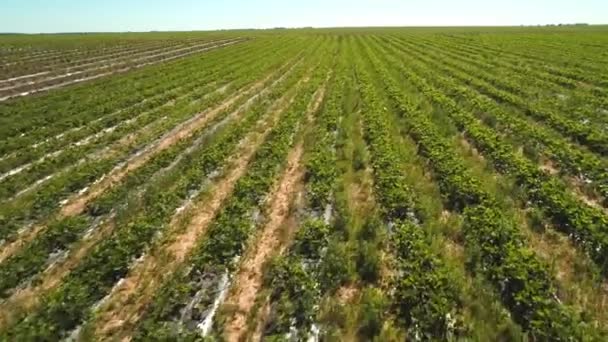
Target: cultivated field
x,y
344,184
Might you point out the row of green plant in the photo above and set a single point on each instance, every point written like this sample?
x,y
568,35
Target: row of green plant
x,y
64,109
49,68
572,159
123,200
118,66
585,225
320,164
592,136
494,244
56,61
70,107
96,149
129,122
424,297
557,60
510,75
63,61
70,304
176,86
296,281
217,254
45,200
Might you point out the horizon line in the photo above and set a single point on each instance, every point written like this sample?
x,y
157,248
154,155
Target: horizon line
x,y
581,24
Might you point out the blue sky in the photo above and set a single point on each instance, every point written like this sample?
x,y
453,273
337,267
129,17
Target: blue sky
x,y
144,15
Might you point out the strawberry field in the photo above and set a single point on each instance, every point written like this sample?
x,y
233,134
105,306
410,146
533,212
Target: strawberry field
x,y
305,185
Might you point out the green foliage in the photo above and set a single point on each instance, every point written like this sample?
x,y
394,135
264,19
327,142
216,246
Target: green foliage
x,y
423,296
530,297
517,102
373,311
368,262
321,172
73,168
294,294
584,224
338,267
311,237
110,260
227,236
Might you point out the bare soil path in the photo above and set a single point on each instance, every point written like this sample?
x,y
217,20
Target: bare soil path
x,y
272,240
28,298
128,301
78,202
9,96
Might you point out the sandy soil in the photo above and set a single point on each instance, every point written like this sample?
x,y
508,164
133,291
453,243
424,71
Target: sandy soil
x,y
103,74
77,204
122,309
249,279
26,299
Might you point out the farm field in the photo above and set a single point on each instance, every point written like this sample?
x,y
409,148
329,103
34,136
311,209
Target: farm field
x,y
305,185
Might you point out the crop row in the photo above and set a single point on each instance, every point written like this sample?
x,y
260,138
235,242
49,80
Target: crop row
x,y
78,48
61,60
78,129
61,66
36,205
493,241
575,160
96,274
320,166
424,299
54,50
64,109
102,133
509,75
589,135
186,298
80,100
77,77
86,69
77,55
23,176
537,59
110,260
585,225
64,232
297,280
